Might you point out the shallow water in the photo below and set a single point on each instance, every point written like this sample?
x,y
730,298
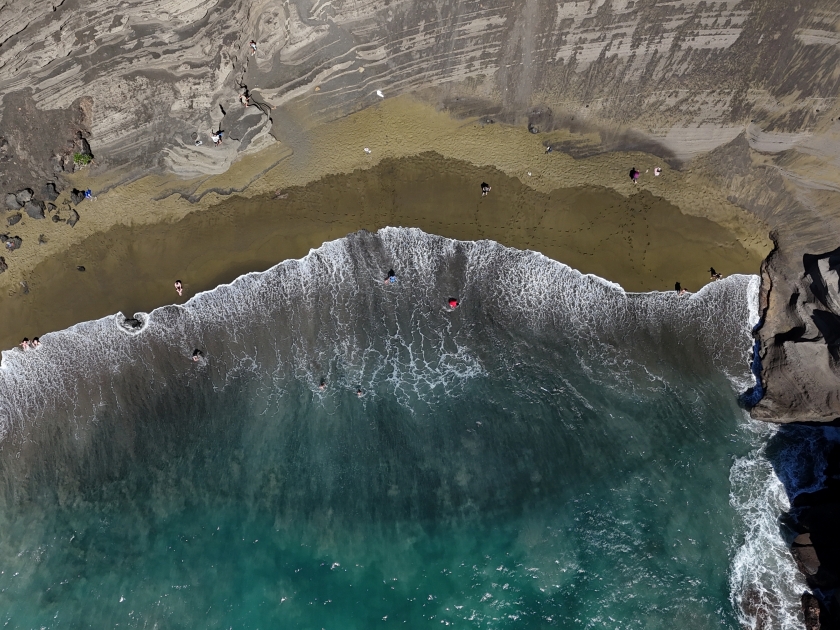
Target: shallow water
x,y
555,452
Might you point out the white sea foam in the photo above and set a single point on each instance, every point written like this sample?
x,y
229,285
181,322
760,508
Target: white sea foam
x,y
765,584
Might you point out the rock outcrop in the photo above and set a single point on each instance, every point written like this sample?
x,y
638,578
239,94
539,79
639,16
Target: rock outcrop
x,y
142,81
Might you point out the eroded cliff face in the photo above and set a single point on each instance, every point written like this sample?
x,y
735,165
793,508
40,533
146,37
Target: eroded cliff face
x,y
676,78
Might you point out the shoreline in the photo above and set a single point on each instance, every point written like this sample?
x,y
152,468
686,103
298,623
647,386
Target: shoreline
x,y
638,241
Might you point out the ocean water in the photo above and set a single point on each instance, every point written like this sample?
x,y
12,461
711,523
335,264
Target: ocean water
x,y
553,453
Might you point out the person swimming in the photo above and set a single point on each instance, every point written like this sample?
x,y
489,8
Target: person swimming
x,y
392,277
35,342
197,354
25,343
323,385
359,392
453,303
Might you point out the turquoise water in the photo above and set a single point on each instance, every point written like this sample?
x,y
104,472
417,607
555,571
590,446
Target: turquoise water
x,y
553,453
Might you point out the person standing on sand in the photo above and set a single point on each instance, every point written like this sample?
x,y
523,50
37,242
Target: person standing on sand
x,y
485,188
179,287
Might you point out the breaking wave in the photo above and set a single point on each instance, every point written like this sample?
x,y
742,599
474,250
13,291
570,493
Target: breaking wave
x,y
579,387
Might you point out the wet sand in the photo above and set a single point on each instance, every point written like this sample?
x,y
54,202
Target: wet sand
x,y
640,241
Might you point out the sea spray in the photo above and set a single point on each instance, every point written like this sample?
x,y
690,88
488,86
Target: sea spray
x,y
553,452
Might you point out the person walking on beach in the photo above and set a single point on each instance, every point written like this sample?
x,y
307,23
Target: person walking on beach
x,y
253,46
485,188
657,172
179,287
634,174
679,288
714,274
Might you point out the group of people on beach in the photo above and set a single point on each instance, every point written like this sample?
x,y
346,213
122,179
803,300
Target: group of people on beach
x,y
247,100
714,275
26,344
635,173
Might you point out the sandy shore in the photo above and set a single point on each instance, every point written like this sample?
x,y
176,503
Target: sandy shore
x,y
138,237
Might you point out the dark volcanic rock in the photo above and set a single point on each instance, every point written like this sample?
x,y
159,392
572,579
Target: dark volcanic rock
x,y
77,196
800,338
85,147
3,265
35,209
14,219
811,612
11,202
56,218
132,324
807,460
24,195
49,191
73,219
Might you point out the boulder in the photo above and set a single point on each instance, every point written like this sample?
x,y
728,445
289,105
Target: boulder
x,y
811,611
74,218
77,196
49,191
15,218
12,202
35,209
56,218
85,147
24,195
